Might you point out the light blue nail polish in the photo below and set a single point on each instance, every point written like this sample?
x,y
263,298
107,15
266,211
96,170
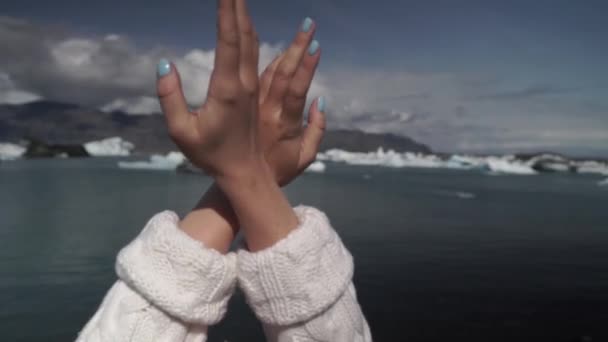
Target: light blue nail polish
x,y
321,104
307,24
163,68
314,47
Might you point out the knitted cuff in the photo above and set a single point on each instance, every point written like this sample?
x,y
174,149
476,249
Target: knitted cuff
x,y
300,276
177,274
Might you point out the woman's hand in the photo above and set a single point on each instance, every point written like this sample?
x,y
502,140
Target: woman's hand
x,y
228,139
220,136
290,148
232,128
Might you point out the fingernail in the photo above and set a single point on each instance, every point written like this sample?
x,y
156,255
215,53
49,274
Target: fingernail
x,y
321,104
307,24
314,46
163,68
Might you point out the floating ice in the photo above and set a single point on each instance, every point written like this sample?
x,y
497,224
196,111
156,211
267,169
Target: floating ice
x,y
510,165
466,162
390,158
457,194
157,162
603,182
591,166
316,167
465,195
11,151
550,163
109,147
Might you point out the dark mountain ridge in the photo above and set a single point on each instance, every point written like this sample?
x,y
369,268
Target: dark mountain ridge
x,y
61,123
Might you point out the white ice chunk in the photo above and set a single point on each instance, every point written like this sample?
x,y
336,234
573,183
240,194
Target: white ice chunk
x,y
316,167
509,165
168,162
11,151
466,162
109,147
591,166
380,157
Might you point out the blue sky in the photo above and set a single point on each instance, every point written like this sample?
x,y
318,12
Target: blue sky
x,y
476,76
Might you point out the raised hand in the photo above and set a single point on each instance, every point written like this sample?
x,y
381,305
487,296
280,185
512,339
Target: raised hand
x,y
289,148
220,136
248,134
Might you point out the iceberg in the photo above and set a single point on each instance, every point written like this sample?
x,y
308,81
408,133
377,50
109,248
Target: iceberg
x,y
11,151
169,162
591,166
495,165
550,163
603,182
380,157
464,162
465,195
457,194
509,165
390,158
110,147
316,167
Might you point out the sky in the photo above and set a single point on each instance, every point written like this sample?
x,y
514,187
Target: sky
x,y
461,76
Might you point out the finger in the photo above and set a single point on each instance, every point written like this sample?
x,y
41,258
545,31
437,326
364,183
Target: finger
x,y
313,133
256,51
171,97
267,75
248,69
290,62
295,99
227,49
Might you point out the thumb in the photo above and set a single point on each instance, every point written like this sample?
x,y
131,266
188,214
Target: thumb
x,y
313,133
171,97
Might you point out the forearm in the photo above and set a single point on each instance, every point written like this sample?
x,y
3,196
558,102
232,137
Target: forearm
x,y
263,211
212,221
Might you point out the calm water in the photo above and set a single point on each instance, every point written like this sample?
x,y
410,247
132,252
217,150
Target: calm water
x,y
440,255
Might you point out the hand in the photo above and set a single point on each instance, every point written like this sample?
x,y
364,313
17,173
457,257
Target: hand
x,y
220,136
288,147
220,141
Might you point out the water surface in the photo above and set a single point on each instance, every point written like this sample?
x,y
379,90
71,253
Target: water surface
x,y
440,255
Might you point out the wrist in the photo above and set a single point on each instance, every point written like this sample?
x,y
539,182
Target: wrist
x,y
263,211
252,175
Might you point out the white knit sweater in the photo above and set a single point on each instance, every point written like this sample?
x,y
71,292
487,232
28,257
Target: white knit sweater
x,y
171,287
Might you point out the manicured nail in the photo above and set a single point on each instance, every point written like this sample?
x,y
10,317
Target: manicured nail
x,y
314,46
307,24
163,68
321,104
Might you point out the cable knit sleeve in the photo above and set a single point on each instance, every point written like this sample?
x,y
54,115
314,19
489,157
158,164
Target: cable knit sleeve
x,y
301,288
170,288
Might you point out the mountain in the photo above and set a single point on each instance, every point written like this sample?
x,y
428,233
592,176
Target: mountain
x,y
61,123
358,141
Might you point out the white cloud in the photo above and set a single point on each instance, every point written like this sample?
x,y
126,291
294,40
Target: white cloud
x,y
195,68
109,72
17,97
9,94
143,105
113,73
